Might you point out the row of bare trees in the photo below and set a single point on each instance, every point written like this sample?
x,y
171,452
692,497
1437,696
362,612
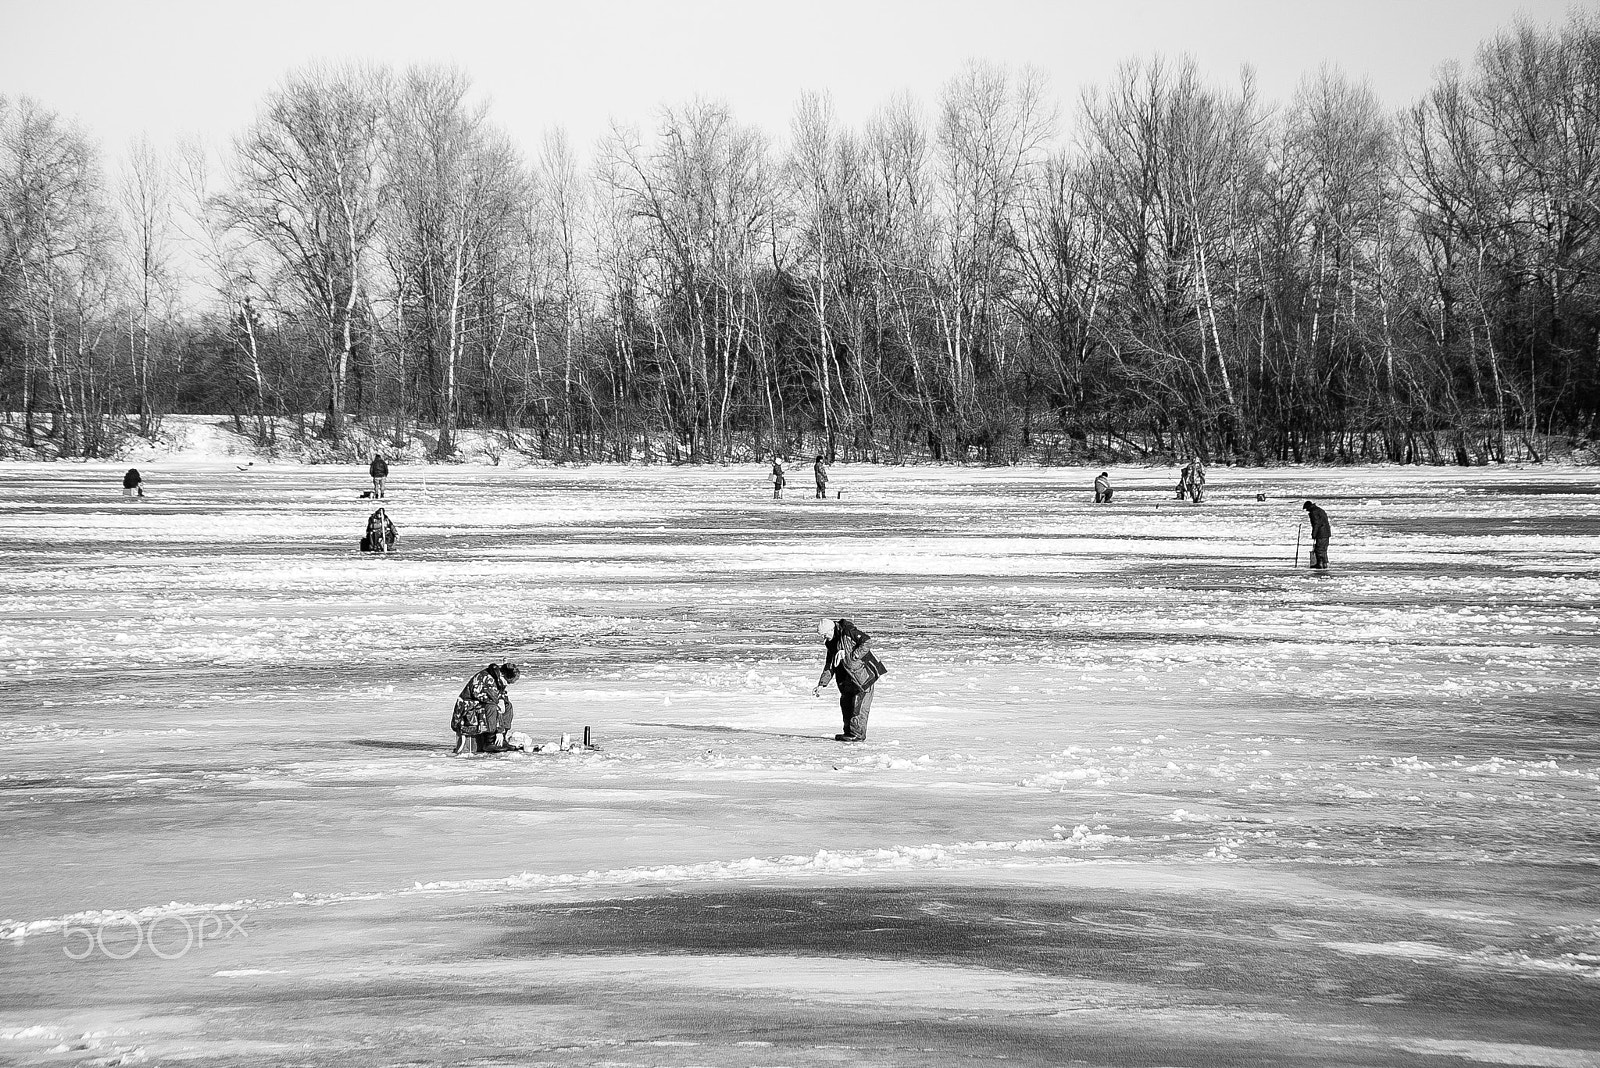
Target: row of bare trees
x,y
1179,267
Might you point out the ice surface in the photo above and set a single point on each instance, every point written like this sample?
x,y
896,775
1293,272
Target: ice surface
x,y
211,704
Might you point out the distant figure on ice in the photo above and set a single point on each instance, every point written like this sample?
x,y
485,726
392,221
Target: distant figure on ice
x,y
820,469
1192,481
1102,489
854,669
1321,532
379,470
380,534
132,483
777,479
482,714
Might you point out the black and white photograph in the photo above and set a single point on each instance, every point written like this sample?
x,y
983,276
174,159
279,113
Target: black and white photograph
x,y
708,534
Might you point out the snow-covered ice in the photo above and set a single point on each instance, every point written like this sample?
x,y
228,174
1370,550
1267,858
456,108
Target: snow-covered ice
x,y
1137,790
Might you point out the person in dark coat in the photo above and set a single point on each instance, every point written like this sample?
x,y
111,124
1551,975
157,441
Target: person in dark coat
x,y
379,470
821,471
132,483
1320,533
380,534
845,639
1102,489
482,714
777,479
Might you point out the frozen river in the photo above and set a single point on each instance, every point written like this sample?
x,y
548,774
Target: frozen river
x,y
1137,791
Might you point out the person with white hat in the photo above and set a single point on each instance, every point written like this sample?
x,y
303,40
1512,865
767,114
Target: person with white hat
x,y
854,669
777,479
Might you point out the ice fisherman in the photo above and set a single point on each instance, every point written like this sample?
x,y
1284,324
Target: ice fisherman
x,y
380,534
1102,488
379,470
482,714
1192,481
854,669
777,479
820,469
1321,532
132,483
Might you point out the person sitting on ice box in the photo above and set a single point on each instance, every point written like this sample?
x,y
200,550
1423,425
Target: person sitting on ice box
x,y
380,534
482,714
854,669
132,483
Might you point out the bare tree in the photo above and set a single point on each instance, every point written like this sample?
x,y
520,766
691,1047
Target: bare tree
x,y
307,190
239,281
55,229
994,133
146,195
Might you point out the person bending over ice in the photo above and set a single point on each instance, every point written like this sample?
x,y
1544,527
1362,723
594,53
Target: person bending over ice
x,y
482,714
1102,489
1321,532
854,669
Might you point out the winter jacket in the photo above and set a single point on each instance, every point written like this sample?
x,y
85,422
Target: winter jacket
x,y
380,532
379,468
131,480
821,470
484,706
843,630
1320,530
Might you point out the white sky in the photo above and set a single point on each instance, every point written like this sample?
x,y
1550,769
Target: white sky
x,y
174,67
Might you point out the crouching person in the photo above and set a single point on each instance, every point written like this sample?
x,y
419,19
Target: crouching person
x,y
854,669
482,715
380,534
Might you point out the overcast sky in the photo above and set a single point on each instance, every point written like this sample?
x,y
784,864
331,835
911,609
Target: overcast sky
x,y
174,67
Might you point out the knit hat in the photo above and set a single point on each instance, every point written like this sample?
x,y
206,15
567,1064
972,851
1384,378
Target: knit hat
x,y
825,628
510,671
